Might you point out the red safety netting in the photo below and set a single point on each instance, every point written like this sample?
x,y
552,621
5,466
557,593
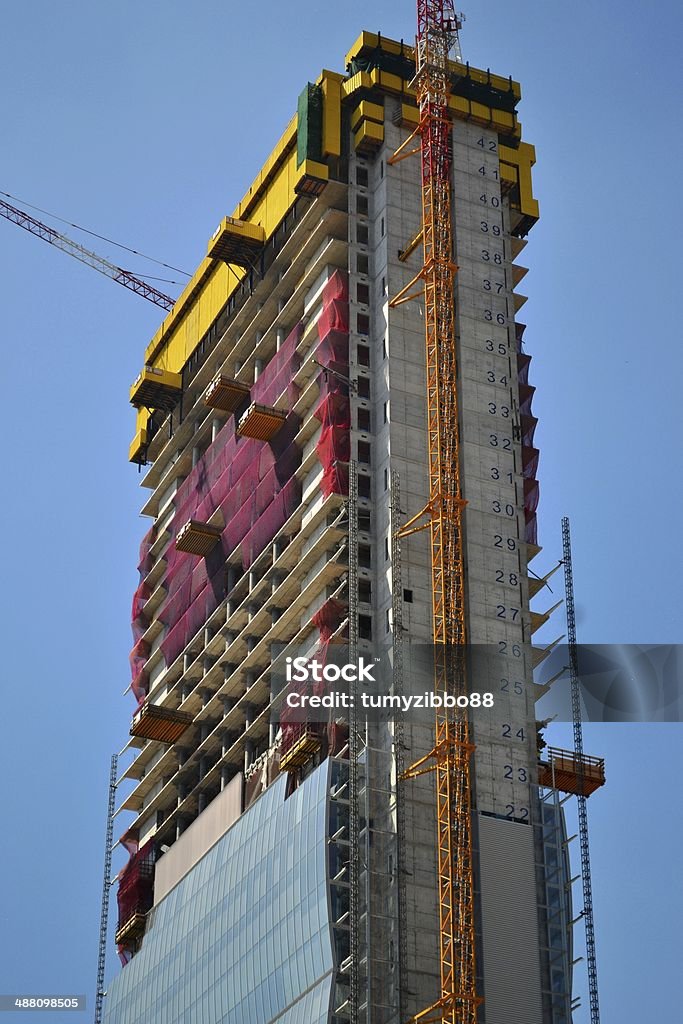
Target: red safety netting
x,y
530,454
327,620
136,887
523,362
251,483
526,394
519,335
334,409
530,457
531,496
528,424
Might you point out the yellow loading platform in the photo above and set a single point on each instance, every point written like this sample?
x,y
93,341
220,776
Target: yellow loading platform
x,y
197,538
154,722
236,241
225,393
155,388
301,751
312,179
578,774
261,422
131,930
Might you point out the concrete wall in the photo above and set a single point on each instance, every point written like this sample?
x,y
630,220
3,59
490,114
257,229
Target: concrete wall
x,y
198,838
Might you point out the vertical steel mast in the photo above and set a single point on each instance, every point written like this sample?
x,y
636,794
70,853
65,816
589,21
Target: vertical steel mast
x,y
437,27
106,885
581,799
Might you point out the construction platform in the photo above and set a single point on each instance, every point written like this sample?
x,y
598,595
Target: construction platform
x,y
236,242
578,774
154,722
131,930
155,388
301,751
197,538
261,422
226,394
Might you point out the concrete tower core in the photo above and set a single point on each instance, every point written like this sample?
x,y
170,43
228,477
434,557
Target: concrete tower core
x,y
280,872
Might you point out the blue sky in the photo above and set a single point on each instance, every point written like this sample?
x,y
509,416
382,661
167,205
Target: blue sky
x,y
147,123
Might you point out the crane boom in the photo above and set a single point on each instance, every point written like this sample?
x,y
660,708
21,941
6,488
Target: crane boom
x,y
91,259
437,27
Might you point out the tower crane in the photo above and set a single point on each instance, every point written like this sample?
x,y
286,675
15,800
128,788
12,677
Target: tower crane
x,y
437,34
91,259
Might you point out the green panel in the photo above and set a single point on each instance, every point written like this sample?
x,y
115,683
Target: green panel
x,y
309,135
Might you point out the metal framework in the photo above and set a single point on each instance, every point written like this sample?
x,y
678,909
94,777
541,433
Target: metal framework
x,y
399,733
437,27
591,961
106,886
354,753
91,259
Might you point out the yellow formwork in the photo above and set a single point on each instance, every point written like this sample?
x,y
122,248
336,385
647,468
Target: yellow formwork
x,y
137,446
331,85
275,189
368,136
515,166
361,80
368,42
367,111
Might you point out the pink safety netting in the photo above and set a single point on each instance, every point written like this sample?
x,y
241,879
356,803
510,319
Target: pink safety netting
x,y
139,621
334,452
327,621
251,483
334,409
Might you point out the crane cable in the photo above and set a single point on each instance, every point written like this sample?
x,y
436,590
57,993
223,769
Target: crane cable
x,y
103,238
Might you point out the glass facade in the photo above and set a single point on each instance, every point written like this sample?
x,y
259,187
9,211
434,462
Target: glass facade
x,y
244,938
558,907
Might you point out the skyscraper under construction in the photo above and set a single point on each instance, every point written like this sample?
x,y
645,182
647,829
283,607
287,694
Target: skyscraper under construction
x,y
296,434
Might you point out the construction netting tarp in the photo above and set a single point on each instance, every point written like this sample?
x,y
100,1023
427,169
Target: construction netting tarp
x,y
135,893
327,621
530,454
249,487
334,409
251,483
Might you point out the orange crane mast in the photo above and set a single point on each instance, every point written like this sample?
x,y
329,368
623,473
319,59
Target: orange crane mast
x,y
437,27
